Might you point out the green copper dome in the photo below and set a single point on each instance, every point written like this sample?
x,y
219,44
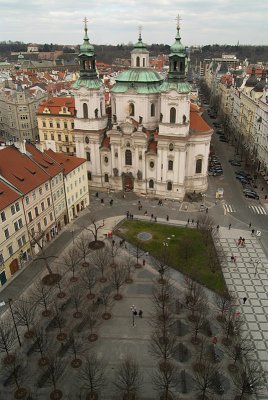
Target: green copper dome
x,y
139,47
144,75
20,56
86,48
177,48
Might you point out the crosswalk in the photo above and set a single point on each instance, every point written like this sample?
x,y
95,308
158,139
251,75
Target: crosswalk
x,y
229,208
257,210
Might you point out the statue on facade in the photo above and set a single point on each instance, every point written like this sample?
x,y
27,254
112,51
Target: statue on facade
x,y
140,119
139,175
161,117
96,113
184,118
115,170
114,119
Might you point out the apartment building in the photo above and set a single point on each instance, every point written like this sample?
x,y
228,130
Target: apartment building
x,y
18,109
14,240
56,124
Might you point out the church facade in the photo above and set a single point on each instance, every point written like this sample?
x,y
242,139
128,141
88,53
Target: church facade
x,y
158,143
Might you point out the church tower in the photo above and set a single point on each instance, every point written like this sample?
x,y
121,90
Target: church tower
x,y
91,119
140,54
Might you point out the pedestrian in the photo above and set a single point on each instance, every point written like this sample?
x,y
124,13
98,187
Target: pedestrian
x,y
206,210
249,225
239,241
127,214
252,232
188,221
102,201
243,242
218,227
262,189
230,226
167,218
265,197
135,313
147,253
232,258
140,313
244,300
124,196
97,194
152,216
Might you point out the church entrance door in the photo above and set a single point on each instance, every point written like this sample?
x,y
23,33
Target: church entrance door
x,y
128,182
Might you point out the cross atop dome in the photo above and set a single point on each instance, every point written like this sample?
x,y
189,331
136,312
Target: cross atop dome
x,y
140,30
178,19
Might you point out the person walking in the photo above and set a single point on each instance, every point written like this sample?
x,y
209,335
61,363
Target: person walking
x,y
252,232
167,218
249,225
230,225
244,300
218,227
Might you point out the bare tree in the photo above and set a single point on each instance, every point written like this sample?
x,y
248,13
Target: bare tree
x,y
24,311
94,227
43,295
205,376
41,344
101,259
249,379
7,337
242,347
83,249
223,302
207,227
114,250
232,325
93,315
59,321
55,370
76,348
162,261
198,323
128,378
117,278
89,278
137,253
39,239
107,301
195,297
128,262
16,373
76,298
162,345
186,250
165,379
92,375
71,260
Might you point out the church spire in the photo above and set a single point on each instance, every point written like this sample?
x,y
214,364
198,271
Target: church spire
x,y
140,54
177,58
87,57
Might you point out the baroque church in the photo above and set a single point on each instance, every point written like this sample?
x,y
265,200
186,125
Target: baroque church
x,y
157,143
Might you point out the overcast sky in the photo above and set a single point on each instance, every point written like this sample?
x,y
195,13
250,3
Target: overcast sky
x,y
116,21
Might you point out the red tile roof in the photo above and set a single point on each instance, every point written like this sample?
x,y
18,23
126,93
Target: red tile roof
x,y
7,195
69,163
55,105
45,162
197,124
20,170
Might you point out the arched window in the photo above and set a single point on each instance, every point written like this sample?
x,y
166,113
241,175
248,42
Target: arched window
x,y
89,176
137,61
85,110
169,186
172,118
106,178
170,165
151,184
131,110
198,166
101,108
143,62
128,157
152,110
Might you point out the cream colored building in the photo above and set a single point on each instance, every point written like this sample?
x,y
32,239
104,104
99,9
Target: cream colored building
x,y
18,113
56,124
14,240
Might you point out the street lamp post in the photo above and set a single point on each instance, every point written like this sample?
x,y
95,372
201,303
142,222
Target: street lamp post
x,y
14,321
134,313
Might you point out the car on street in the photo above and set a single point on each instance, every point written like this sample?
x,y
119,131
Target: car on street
x,y
252,195
235,163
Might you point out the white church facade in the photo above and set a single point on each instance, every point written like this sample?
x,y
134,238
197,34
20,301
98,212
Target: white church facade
x,y
158,143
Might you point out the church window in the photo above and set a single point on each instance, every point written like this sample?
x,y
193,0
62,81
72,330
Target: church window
x,y
169,186
52,136
143,62
137,61
44,124
85,110
128,157
140,156
172,118
116,154
152,110
128,144
88,156
198,166
89,176
151,184
170,165
87,140
106,178
171,147
106,160
131,110
101,109
151,164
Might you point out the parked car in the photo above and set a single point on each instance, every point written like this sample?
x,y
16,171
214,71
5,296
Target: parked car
x,y
252,195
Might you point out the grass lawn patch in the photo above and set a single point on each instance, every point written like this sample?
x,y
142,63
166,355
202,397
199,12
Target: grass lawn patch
x,y
188,251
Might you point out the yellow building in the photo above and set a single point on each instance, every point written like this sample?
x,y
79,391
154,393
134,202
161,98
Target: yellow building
x,y
56,124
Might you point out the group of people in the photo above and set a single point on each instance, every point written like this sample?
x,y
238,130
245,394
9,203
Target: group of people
x,y
129,215
241,242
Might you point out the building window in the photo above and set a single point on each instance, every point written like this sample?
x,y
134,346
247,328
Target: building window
x,y
52,136
40,191
137,61
45,136
106,178
44,124
45,221
131,109
72,125
66,138
3,216
48,201
51,124
51,216
171,147
151,164
87,140
198,166
65,125
169,186
27,200
17,206
1,259
152,110
42,206
13,209
151,184
10,250
106,160
46,186
89,176
39,227
6,232
85,110
172,118
58,125
36,211
88,155
170,165
59,138
116,154
30,216
128,157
